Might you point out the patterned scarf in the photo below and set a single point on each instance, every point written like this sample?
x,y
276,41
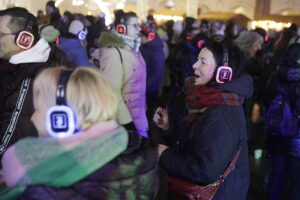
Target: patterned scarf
x,y
133,43
198,97
60,162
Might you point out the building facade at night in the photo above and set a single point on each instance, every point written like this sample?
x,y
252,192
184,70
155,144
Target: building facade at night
x,y
249,8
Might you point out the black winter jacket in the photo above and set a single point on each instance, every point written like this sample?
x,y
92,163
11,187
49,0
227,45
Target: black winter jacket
x,y
287,80
202,153
11,79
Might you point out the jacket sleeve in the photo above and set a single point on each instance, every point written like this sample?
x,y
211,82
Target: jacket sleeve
x,y
111,67
213,146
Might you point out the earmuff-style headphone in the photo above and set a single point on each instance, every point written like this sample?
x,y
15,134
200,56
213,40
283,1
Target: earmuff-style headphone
x,y
121,28
77,30
60,119
25,38
82,34
224,72
148,31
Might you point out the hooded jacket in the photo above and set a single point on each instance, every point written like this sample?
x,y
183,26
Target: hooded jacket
x,y
126,73
202,153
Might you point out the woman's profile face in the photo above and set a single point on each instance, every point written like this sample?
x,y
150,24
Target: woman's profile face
x,y
39,117
204,68
133,27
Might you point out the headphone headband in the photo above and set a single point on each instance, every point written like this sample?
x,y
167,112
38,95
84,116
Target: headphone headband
x,y
62,87
224,72
225,56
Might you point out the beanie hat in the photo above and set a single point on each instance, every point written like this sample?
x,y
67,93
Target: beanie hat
x,y
49,33
75,27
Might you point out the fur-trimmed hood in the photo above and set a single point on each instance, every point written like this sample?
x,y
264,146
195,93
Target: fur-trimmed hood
x,y
108,39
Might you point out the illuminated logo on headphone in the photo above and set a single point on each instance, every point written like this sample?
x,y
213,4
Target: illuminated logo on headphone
x,y
82,35
60,119
224,73
25,39
121,28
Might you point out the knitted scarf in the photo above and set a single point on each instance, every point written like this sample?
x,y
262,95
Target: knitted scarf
x,y
133,43
198,97
60,162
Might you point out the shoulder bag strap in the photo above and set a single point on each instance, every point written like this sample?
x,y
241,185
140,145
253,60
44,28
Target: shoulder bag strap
x,y
121,58
231,165
15,115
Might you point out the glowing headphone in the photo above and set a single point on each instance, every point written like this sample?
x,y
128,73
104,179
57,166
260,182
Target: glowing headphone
x,y
24,39
121,28
82,34
224,73
60,119
149,31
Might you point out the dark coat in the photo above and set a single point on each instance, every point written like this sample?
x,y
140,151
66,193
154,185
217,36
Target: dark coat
x,y
12,77
287,80
182,58
205,146
130,176
153,55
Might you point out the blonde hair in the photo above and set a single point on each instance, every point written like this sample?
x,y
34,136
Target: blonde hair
x,y
88,94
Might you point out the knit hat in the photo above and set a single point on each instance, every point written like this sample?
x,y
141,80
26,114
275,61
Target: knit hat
x,y
75,27
49,33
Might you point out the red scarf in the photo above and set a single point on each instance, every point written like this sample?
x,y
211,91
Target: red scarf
x,y
201,96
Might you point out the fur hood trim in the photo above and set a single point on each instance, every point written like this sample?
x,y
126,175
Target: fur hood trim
x,y
108,39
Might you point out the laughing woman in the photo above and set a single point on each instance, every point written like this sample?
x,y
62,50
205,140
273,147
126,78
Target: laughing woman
x,y
213,134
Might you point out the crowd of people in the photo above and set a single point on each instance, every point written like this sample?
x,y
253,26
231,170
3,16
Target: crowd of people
x,y
90,111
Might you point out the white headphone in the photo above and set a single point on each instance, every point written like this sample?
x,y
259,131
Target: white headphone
x,y
60,119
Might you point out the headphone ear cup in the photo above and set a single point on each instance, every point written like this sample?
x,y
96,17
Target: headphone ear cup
x,y
24,40
151,36
224,74
60,121
121,29
81,35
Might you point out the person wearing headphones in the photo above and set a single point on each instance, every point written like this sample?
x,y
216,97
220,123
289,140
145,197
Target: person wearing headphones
x,y
121,61
72,43
81,151
212,138
24,54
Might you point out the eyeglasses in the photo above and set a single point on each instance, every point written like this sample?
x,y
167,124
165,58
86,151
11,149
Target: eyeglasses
x,y
137,25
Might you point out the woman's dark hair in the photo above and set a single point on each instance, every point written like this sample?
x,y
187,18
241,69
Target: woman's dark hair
x,y
51,4
122,17
235,57
282,43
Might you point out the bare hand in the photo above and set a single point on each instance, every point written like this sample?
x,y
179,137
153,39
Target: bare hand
x,y
161,148
161,118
